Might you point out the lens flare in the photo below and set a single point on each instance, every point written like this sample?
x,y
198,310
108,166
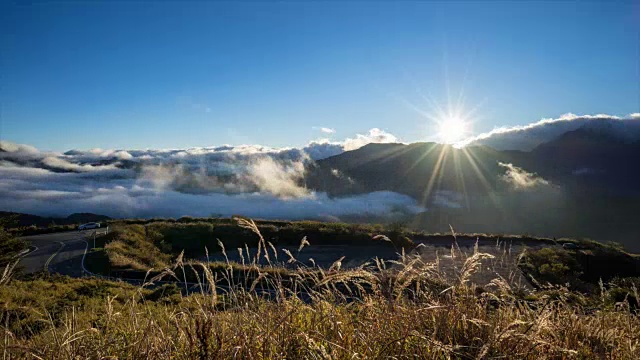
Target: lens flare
x,y
452,130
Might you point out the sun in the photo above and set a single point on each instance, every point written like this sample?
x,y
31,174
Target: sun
x,y
452,130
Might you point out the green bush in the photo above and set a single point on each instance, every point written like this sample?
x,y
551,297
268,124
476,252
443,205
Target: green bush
x,y
10,247
553,265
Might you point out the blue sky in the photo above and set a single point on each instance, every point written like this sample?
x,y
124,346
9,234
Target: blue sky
x,y
173,75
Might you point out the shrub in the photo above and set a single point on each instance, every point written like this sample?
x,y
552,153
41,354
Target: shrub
x,y
553,265
10,247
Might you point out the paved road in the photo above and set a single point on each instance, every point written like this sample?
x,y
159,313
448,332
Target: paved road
x,y
62,253
57,253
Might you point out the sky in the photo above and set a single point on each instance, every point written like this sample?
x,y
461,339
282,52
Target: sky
x,y
138,75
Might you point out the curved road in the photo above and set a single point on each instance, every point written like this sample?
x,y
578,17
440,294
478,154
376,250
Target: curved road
x,y
63,253
56,253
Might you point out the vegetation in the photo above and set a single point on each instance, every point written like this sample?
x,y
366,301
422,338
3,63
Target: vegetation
x,y
409,308
145,243
585,262
27,224
10,246
137,246
131,247
35,230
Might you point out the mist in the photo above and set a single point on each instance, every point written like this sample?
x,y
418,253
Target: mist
x,y
250,180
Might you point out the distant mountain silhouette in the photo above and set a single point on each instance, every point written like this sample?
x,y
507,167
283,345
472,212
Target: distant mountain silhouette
x,y
583,158
590,176
43,221
411,169
589,158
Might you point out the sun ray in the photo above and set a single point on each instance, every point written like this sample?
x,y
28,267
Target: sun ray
x,y
434,174
422,157
460,176
483,180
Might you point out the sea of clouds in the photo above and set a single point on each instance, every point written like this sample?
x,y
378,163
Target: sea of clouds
x,y
527,137
250,180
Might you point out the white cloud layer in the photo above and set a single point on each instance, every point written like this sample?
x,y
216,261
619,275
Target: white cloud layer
x,y
250,180
47,193
527,137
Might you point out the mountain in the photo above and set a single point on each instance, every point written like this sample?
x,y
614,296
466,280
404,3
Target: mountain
x,y
20,219
591,159
411,169
582,183
586,158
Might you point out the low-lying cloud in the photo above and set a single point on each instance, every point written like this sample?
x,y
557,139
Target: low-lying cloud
x,y
527,137
519,179
251,180
56,194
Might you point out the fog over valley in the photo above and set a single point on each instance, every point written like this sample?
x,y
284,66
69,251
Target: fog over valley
x,y
490,181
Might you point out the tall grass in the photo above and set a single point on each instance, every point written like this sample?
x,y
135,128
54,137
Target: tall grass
x,y
406,308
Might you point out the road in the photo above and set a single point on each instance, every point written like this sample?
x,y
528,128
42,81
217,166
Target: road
x,y
56,253
63,253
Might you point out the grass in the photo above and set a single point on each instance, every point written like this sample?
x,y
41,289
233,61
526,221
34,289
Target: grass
x,y
582,268
396,309
35,230
131,247
148,241
10,247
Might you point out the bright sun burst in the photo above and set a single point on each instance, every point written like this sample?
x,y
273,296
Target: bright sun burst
x,y
452,130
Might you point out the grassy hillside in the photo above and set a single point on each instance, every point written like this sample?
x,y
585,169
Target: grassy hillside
x,y
136,246
411,311
407,308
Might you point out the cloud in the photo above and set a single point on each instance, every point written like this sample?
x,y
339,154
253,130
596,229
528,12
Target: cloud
x,y
9,147
323,148
47,193
519,179
325,130
18,152
252,180
276,178
585,171
375,135
62,164
529,136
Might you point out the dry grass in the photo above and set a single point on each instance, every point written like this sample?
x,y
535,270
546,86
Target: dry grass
x,y
131,249
406,308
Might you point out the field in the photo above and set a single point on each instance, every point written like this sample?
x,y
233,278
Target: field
x,y
455,297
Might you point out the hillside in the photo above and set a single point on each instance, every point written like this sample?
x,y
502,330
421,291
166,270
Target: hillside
x,y
581,184
24,220
414,305
576,160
